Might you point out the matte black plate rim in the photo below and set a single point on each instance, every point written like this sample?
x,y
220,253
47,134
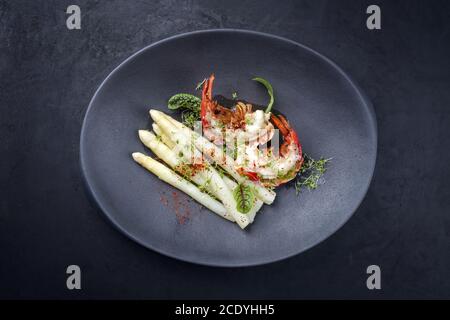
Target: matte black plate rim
x,y
362,96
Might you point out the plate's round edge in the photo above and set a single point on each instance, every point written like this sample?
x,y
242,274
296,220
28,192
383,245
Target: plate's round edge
x,y
366,102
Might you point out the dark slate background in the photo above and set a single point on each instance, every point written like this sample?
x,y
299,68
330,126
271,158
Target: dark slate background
x,y
48,75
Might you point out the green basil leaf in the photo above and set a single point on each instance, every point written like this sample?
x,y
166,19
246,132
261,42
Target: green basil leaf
x,y
184,101
245,198
269,88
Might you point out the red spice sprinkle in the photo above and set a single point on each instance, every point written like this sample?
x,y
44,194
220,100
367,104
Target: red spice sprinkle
x,y
179,204
181,208
164,199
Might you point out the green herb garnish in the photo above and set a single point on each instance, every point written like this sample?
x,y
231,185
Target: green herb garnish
x,y
200,84
310,173
184,101
189,118
234,95
219,169
205,186
244,196
185,170
190,105
269,88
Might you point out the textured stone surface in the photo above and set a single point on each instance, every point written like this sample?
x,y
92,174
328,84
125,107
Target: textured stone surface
x,y
48,75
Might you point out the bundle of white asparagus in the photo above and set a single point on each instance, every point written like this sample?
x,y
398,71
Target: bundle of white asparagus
x,y
179,147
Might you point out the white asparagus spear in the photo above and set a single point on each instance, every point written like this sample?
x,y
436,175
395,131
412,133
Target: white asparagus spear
x,y
205,146
178,182
214,152
227,198
231,184
169,143
161,150
183,141
146,137
165,153
165,138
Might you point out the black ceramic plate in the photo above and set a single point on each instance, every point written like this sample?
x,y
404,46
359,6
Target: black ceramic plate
x,y
329,112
